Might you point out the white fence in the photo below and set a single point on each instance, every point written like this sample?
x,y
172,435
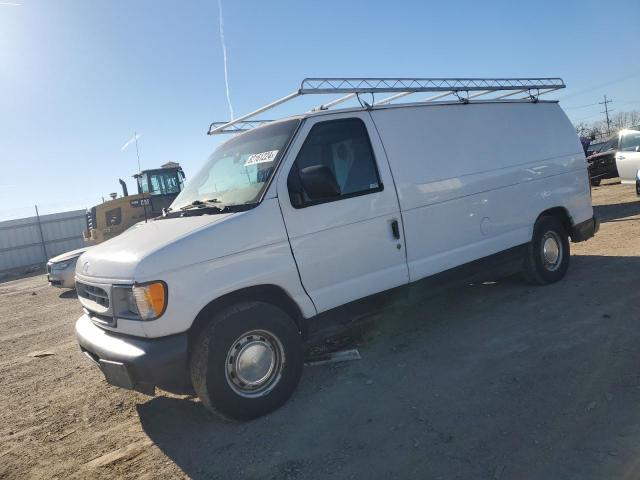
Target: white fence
x,y
28,242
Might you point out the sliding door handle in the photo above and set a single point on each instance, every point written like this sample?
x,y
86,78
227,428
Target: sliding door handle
x,y
395,229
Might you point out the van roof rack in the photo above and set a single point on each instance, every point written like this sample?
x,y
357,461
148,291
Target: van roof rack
x,y
501,88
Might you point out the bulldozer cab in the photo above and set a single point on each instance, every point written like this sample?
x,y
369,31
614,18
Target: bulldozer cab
x,y
160,185
157,188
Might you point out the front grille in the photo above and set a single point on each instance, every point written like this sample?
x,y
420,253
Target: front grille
x,y
95,294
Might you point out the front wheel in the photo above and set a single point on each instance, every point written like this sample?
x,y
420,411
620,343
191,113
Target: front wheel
x,y
547,256
247,361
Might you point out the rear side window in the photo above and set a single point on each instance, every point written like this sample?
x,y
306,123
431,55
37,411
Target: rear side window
x,y
630,141
343,146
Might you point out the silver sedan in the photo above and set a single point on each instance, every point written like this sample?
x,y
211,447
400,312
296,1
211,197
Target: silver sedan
x,y
61,270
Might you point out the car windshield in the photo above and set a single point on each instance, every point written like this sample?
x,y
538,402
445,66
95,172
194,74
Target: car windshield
x,y
610,144
239,170
595,147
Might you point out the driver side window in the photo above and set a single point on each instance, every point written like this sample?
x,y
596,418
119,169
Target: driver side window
x,y
344,148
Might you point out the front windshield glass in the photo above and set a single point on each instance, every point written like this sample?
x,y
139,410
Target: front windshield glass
x,y
239,170
610,144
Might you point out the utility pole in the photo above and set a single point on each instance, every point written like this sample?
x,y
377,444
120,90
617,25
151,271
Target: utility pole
x,y
44,244
606,112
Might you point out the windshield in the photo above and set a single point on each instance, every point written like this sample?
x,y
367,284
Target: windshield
x,y
610,144
238,171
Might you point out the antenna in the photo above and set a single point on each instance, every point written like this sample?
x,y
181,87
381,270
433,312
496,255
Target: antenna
x,y
135,135
139,175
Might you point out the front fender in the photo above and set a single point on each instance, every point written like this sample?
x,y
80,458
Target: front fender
x,y
192,289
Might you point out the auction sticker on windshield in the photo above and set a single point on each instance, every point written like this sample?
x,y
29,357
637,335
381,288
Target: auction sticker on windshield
x,y
263,157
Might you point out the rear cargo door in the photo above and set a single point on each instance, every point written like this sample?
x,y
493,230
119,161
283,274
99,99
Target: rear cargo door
x,y
350,245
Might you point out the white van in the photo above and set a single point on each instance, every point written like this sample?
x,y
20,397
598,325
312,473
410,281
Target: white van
x,y
307,214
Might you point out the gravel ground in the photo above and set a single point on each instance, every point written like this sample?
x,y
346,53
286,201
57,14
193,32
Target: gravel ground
x,y
496,380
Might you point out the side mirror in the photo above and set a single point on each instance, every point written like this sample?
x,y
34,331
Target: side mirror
x,y
319,182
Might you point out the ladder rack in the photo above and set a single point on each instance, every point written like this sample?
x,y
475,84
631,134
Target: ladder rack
x,y
531,88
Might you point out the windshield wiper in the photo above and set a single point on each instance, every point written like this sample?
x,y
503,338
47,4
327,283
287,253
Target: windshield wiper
x,y
202,204
238,207
203,207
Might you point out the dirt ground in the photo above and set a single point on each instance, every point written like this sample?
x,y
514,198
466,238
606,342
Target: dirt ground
x,y
497,380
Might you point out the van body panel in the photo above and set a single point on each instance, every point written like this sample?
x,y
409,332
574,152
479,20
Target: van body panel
x,y
462,181
483,224
475,189
442,152
345,249
191,290
251,249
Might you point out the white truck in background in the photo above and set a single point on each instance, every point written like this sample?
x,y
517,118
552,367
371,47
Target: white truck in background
x,y
307,214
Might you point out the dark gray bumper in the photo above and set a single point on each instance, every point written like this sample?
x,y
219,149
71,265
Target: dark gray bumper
x,y
133,362
585,230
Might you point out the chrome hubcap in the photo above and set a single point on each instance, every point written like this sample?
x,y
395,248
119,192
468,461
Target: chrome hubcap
x,y
254,363
551,250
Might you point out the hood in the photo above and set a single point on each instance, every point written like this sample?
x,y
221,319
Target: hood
x,y
121,256
147,251
68,255
596,156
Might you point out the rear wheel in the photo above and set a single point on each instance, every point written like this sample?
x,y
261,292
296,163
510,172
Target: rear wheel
x,y
247,361
547,256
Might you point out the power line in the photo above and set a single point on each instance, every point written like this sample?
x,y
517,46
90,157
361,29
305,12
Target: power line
x,y
601,85
627,102
581,106
587,117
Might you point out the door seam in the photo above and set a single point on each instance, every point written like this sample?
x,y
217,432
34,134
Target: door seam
x,y
295,262
395,188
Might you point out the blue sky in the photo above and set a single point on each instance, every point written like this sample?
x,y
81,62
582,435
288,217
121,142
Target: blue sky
x,y
77,78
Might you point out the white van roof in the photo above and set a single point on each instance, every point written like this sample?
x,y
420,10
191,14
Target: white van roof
x,y
465,90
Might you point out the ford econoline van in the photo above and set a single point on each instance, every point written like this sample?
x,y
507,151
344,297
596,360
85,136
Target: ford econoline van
x,y
307,214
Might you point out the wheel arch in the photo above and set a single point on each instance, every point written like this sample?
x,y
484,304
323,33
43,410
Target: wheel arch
x,y
267,293
562,214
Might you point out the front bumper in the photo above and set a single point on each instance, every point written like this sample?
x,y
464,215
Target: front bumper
x,y
135,363
585,230
64,278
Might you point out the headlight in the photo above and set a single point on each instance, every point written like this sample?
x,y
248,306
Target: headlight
x,y
124,305
150,299
64,264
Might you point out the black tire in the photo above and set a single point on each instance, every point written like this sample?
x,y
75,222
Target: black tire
x,y
596,182
538,267
218,349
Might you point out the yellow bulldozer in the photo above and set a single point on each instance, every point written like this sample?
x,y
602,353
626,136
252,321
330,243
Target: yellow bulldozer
x,y
157,188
